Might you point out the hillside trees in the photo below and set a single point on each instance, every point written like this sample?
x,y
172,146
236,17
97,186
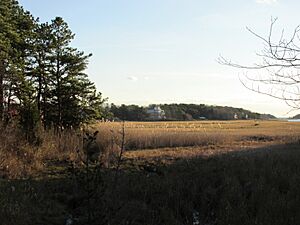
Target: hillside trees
x,y
129,112
181,112
42,77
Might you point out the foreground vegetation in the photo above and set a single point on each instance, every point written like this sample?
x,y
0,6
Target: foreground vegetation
x,y
238,172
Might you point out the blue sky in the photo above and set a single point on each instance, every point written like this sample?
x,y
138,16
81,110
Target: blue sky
x,y
163,51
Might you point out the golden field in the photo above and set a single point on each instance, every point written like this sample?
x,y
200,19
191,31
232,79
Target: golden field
x,y
144,142
168,141
175,173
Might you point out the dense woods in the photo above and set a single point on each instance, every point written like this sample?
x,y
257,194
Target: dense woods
x,y
42,78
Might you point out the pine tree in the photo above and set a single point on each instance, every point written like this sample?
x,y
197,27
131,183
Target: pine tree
x,y
73,96
16,26
42,74
7,35
41,43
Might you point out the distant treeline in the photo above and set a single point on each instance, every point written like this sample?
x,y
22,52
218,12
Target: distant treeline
x,y
195,112
185,112
296,117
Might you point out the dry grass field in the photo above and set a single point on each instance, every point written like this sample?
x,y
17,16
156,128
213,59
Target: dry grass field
x,y
175,173
168,141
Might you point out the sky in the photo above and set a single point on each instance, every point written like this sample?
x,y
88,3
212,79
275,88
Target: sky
x,y
166,51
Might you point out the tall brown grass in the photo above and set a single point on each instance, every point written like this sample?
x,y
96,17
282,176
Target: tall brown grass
x,y
258,186
18,158
152,135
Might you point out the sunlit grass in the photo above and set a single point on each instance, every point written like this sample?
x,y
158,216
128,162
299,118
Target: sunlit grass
x,y
173,170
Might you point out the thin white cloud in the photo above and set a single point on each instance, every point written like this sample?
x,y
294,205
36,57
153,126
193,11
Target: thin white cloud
x,y
269,2
154,50
132,78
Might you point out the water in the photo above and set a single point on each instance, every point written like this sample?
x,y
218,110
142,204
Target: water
x,y
294,120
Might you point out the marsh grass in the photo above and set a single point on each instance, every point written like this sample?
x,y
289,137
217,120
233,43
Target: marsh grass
x,y
18,158
256,187
248,187
225,172
154,135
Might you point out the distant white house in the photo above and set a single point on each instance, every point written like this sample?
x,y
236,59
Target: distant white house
x,y
156,113
235,116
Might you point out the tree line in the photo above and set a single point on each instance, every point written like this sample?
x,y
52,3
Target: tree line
x,y
185,112
42,77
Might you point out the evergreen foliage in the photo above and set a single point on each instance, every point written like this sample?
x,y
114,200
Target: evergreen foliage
x,y
42,78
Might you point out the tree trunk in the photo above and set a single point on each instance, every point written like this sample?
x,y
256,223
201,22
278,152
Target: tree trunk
x,y
41,73
58,80
44,115
2,74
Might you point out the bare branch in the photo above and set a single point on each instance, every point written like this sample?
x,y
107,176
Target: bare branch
x,y
278,73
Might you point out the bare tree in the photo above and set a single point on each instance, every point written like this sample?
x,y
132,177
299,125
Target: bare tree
x,y
277,74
